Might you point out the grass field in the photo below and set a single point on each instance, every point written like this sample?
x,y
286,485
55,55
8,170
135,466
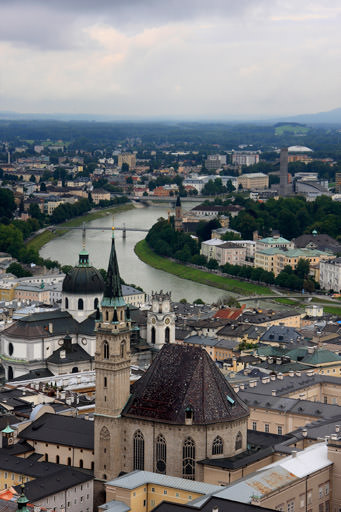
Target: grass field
x,y
145,253
333,310
43,238
294,129
289,302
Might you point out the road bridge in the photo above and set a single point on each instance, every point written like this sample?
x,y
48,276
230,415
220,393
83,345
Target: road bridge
x,y
83,228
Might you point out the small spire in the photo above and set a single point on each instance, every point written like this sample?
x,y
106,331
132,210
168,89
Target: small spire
x,y
22,501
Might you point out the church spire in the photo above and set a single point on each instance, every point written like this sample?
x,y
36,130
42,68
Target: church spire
x,y
113,289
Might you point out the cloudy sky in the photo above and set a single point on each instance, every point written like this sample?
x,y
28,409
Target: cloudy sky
x,y
185,58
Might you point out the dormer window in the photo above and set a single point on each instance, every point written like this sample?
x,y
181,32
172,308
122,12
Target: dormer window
x,y
189,413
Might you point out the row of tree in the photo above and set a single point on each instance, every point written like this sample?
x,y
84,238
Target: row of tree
x,y
166,242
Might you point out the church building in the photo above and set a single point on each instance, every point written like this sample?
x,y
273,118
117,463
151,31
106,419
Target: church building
x,y
181,411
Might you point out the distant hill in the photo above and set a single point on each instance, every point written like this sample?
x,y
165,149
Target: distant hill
x,y
329,117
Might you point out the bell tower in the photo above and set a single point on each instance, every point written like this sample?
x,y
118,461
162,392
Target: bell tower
x,y
112,363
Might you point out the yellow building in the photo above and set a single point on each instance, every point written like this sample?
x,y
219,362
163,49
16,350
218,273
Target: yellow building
x,y
275,259
143,490
257,180
7,291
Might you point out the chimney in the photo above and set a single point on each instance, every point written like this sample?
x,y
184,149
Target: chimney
x,y
337,428
304,432
273,392
294,453
291,373
280,376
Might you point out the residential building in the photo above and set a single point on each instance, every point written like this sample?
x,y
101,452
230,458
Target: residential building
x,y
127,158
231,253
99,194
257,181
246,158
209,248
144,490
214,162
330,275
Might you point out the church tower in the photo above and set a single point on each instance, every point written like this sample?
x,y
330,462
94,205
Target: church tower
x,y
112,363
160,320
178,215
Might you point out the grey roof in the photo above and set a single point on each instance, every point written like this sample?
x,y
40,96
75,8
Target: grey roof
x,y
51,484
293,405
207,504
280,334
75,354
60,429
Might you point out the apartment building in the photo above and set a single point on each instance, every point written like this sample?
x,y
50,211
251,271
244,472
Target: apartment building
x,y
245,158
330,274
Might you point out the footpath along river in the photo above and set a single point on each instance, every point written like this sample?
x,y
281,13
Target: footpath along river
x,y
65,249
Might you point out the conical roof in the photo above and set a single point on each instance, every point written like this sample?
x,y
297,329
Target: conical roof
x,y
113,289
180,378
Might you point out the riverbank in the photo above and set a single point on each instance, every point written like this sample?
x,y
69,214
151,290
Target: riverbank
x,y
46,236
148,256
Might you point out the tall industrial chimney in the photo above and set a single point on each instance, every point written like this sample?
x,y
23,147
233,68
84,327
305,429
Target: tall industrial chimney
x,y
283,172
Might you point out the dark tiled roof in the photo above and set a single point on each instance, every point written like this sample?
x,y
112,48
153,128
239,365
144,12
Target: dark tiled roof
x,y
212,503
51,484
38,325
34,374
59,429
182,377
74,354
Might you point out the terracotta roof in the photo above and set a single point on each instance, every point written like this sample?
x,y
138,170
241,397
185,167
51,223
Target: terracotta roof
x,y
229,313
183,377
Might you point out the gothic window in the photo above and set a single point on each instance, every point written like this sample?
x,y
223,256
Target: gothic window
x,y
57,459
138,450
123,348
167,335
80,463
153,335
239,441
161,454
66,303
69,461
188,459
106,350
96,303
217,446
80,304
106,316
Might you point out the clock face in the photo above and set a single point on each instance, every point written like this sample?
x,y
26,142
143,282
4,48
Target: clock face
x,y
60,342
84,341
153,320
167,321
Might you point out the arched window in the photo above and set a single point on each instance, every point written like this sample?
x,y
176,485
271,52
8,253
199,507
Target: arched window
x,y
217,446
96,303
167,335
106,316
57,459
123,348
92,465
188,459
80,463
104,434
80,304
69,461
10,373
105,350
10,349
66,303
153,335
138,450
239,441
105,382
161,454
46,457
74,369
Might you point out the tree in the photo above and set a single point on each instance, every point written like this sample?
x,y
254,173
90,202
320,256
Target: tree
x,y
17,270
198,301
302,268
7,204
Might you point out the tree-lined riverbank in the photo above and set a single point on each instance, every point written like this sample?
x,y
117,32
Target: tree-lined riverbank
x,y
147,255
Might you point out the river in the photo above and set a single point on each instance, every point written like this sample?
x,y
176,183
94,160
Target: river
x,y
65,249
